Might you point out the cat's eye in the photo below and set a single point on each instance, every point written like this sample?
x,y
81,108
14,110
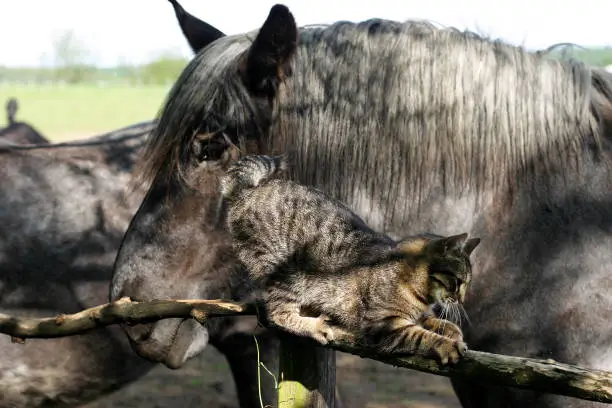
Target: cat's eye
x,y
447,280
450,275
440,281
447,273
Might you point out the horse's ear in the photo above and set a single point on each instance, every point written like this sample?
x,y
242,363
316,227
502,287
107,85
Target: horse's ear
x,y
198,33
267,62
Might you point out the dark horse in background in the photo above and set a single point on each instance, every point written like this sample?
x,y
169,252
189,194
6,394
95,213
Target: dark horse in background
x,y
19,132
63,211
416,128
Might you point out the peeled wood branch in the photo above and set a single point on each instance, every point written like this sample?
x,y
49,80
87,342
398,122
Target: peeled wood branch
x,y
120,311
539,375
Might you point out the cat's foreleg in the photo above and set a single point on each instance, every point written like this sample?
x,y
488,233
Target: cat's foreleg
x,y
287,316
443,327
404,336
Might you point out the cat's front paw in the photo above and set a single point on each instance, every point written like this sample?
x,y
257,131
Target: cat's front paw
x,y
452,331
323,332
443,327
449,351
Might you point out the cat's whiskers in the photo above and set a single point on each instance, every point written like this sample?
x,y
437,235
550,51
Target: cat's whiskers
x,y
464,313
458,313
444,316
455,314
452,311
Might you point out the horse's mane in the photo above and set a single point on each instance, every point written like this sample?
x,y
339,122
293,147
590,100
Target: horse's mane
x,y
464,110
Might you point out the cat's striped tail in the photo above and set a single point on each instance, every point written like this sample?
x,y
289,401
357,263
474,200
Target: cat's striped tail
x,y
251,171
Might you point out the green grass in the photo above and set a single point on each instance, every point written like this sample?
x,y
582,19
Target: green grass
x,y
71,112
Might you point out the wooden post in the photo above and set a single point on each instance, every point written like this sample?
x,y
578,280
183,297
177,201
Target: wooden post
x,y
306,373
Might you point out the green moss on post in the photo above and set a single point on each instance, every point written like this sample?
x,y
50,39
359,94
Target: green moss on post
x,y
307,374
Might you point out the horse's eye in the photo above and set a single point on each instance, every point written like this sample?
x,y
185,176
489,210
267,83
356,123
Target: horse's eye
x,y
211,149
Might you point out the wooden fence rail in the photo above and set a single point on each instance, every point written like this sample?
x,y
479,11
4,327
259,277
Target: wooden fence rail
x,y
299,381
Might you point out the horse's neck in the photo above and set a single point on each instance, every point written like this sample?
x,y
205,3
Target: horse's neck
x,y
437,212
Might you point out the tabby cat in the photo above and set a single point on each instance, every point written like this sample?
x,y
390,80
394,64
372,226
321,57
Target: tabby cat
x,y
321,267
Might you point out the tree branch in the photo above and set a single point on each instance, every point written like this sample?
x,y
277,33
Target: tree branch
x,y
545,376
120,311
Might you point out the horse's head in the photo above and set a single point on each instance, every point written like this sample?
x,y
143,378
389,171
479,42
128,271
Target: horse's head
x,y
11,110
176,246
176,249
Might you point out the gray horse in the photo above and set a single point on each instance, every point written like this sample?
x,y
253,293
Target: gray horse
x,y
416,128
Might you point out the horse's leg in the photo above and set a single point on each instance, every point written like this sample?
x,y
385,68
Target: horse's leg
x,y
240,351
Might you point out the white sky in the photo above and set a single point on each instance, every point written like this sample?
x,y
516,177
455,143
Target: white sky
x,y
135,31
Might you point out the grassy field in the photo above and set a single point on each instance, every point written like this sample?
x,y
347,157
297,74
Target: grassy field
x,y
72,112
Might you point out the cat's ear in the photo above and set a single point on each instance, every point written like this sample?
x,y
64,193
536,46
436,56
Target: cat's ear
x,y
470,245
449,243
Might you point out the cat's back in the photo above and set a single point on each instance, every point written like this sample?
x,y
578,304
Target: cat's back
x,y
297,219
291,200
280,222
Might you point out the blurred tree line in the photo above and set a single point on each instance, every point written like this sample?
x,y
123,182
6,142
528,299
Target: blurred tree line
x,y
72,64
594,56
162,71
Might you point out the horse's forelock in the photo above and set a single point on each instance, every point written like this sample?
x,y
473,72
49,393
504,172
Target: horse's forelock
x,y
208,87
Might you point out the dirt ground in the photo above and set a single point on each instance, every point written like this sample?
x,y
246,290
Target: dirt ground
x,y
206,382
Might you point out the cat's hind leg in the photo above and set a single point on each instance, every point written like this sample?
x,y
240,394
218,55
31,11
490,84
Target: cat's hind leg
x,y
287,316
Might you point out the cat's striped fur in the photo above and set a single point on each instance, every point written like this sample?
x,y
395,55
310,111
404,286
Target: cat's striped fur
x,y
322,267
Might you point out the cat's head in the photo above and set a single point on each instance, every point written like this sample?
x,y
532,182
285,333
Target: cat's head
x,y
445,260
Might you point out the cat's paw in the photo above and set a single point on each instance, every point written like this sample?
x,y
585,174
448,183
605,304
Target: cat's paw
x,y
323,332
450,351
443,328
452,331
